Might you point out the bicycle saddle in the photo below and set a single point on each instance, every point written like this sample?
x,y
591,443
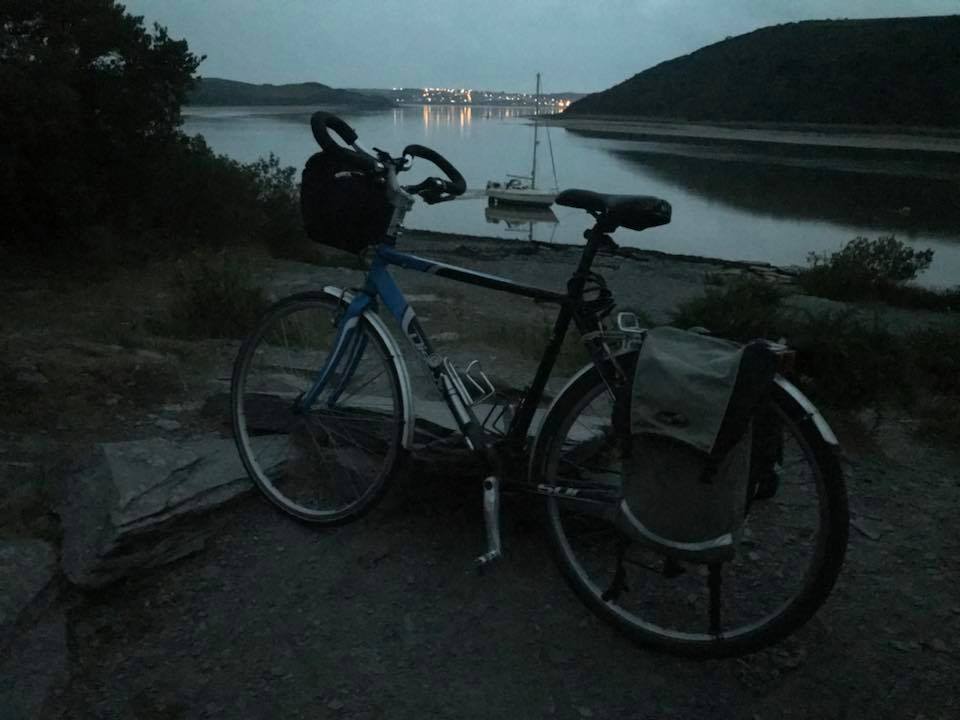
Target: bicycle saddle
x,y
636,212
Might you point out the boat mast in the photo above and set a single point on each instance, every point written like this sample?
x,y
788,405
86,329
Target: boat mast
x,y
536,117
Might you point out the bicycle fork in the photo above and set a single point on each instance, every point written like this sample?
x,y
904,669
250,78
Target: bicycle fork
x,y
459,392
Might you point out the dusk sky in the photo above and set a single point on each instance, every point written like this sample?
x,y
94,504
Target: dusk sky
x,y
486,44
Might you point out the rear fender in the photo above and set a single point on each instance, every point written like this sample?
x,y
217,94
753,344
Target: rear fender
x,y
811,412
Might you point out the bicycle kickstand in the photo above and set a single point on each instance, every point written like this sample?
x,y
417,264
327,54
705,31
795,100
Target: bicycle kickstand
x,y
491,518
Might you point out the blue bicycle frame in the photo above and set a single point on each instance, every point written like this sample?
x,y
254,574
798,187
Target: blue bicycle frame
x,y
379,285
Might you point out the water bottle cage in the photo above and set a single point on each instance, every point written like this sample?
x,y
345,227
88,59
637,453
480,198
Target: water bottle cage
x,y
472,384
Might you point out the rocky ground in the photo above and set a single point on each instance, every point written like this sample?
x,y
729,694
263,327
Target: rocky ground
x,y
386,617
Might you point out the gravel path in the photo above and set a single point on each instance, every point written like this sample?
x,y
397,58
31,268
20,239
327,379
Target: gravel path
x,y
386,618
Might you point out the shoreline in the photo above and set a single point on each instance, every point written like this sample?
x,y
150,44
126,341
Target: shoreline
x,y
623,251
936,140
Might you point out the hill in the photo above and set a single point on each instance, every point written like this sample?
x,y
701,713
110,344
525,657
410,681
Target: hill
x,y
217,91
897,71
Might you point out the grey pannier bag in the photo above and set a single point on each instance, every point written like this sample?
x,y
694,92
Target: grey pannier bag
x,y
687,459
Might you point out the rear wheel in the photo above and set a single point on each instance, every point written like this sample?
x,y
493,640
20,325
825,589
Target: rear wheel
x,y
787,559
330,462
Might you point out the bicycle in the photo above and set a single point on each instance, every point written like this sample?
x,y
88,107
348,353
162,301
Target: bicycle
x,y
323,418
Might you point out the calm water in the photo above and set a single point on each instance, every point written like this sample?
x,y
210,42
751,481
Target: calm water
x,y
741,201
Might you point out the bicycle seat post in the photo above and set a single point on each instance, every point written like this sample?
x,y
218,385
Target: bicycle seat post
x,y
597,239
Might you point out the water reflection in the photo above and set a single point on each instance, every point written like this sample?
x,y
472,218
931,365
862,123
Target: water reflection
x,y
522,219
458,117
899,202
735,200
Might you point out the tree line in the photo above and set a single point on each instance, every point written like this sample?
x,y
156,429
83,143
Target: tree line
x,y
92,158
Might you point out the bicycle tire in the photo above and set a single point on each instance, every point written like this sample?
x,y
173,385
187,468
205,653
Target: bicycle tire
x,y
649,615
333,463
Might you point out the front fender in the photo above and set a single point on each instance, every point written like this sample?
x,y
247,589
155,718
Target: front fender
x,y
396,357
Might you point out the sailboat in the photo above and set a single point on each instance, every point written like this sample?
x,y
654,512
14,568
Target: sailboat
x,y
522,189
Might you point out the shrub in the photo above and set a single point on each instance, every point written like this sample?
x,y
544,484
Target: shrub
x,y
935,359
864,269
190,198
218,299
280,226
743,310
845,362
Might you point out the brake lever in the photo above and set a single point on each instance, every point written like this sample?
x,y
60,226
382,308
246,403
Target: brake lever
x,y
400,164
433,191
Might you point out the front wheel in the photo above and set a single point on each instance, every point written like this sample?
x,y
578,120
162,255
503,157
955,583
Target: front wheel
x,y
329,462
789,551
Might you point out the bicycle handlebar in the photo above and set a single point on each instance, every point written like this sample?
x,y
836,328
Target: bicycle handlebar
x,y
322,122
432,190
454,186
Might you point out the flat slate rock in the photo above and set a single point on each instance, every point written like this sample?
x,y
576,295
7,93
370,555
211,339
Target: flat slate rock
x,y
33,666
138,506
33,648
27,567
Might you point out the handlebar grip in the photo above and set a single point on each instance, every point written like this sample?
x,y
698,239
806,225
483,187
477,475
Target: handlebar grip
x,y
457,186
321,121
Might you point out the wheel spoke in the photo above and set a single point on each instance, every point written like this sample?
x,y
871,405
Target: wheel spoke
x,y
365,384
782,554
327,464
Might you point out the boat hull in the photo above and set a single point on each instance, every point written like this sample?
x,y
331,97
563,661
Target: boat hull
x,y
518,196
519,214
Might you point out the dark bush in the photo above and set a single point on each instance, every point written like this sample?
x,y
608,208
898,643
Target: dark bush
x,y
864,269
89,100
743,310
845,362
219,298
93,165
280,226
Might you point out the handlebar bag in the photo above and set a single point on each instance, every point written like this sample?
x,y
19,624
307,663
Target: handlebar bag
x,y
341,206
687,457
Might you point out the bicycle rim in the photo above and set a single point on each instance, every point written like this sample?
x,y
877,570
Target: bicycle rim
x,y
788,554
330,462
